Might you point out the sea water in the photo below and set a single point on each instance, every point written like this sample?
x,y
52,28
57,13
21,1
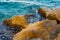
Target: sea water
x,y
21,7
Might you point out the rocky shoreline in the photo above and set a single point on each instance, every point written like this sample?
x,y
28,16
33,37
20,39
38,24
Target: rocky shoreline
x,y
28,28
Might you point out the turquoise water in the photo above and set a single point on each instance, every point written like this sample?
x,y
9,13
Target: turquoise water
x,y
9,9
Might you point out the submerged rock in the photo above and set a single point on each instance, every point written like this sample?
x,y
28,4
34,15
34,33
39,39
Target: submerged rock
x,y
17,22
45,30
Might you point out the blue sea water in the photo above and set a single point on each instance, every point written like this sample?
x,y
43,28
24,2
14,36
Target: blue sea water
x,y
9,9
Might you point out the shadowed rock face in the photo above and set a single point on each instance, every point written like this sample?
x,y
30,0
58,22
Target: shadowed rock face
x,y
46,29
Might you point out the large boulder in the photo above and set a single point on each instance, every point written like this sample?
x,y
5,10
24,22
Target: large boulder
x,y
45,30
31,32
17,22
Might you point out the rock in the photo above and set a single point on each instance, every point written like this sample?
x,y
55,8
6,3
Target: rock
x,y
44,30
57,13
44,10
17,22
50,14
54,14
29,34
58,37
58,28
